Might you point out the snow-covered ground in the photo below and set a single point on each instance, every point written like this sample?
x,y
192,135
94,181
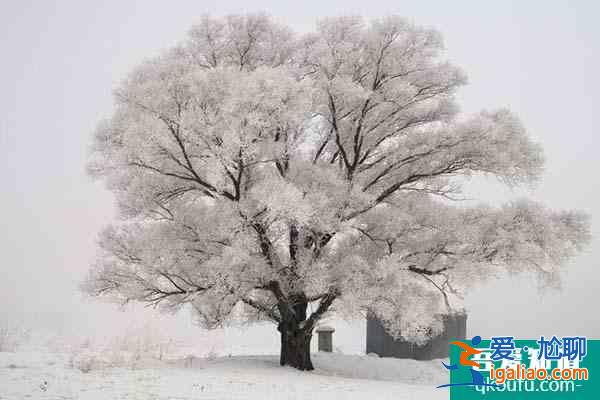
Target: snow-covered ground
x,y
165,358
45,376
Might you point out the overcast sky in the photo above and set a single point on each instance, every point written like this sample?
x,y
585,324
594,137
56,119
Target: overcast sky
x,y
60,60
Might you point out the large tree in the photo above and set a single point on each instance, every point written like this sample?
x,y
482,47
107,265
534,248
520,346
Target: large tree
x,y
271,175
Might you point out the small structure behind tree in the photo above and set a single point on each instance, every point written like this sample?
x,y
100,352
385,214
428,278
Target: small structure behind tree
x,y
383,344
325,338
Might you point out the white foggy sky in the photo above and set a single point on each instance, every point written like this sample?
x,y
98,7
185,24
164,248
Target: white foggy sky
x,y
60,60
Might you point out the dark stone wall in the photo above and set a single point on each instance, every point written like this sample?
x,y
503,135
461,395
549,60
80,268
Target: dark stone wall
x,y
325,341
381,343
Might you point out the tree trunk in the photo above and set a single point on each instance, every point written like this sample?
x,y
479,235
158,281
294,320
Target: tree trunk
x,y
295,348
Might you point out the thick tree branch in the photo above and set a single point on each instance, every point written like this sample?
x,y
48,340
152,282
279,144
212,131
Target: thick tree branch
x,y
269,312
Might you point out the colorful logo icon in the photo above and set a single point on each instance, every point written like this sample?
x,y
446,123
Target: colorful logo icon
x,y
468,351
502,367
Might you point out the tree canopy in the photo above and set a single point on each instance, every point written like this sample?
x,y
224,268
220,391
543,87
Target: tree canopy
x,y
280,174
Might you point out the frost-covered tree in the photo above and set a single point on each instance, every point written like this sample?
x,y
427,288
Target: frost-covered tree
x,y
275,176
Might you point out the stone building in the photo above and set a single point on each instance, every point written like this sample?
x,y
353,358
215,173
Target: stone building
x,y
381,343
